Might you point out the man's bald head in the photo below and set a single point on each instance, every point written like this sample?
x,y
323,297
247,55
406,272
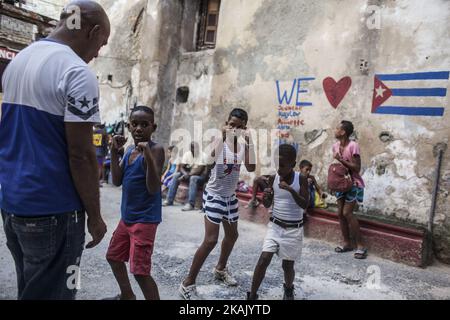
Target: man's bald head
x,y
85,27
91,13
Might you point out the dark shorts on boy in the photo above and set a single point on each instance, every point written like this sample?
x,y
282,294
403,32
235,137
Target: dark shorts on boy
x,y
100,160
217,208
354,194
133,243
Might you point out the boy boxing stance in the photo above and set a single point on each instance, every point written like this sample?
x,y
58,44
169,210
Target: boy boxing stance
x,y
288,192
139,173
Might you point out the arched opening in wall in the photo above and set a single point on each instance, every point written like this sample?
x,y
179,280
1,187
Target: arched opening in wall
x,y
182,94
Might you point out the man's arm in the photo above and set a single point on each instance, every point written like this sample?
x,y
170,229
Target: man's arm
x,y
84,170
198,171
204,173
316,185
116,166
183,170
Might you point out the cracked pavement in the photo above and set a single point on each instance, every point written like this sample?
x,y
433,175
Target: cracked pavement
x,y
320,274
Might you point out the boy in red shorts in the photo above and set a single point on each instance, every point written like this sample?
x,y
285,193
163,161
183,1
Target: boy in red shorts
x,y
139,174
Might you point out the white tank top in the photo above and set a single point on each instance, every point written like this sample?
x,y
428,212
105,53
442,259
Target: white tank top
x,y
225,174
284,206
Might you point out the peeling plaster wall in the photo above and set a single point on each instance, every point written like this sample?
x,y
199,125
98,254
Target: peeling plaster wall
x,y
195,72
143,50
262,41
46,8
120,58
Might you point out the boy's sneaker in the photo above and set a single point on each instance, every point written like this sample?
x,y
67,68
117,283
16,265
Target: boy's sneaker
x,y
225,276
167,203
248,296
288,293
188,292
188,207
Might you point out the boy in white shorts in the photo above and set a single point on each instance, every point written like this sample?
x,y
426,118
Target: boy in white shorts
x,y
288,192
219,200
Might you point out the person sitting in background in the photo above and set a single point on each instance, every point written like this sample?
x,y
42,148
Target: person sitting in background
x,y
259,184
192,170
171,169
313,187
100,139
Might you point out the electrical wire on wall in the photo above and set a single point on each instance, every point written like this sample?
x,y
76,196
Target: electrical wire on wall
x,y
117,58
128,93
128,83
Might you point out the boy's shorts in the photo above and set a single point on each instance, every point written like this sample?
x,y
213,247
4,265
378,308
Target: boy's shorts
x,y
286,243
100,160
354,194
133,243
217,208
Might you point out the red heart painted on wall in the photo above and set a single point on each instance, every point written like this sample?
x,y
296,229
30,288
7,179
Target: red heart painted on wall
x,y
336,91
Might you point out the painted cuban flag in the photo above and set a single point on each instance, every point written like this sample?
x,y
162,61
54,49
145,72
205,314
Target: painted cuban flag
x,y
411,94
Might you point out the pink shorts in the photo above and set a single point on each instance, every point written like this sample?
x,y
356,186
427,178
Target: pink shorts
x,y
134,243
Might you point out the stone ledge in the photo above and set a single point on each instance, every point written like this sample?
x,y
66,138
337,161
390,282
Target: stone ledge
x,y
182,195
406,245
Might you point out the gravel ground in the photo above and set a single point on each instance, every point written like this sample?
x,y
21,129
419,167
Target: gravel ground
x,y
321,273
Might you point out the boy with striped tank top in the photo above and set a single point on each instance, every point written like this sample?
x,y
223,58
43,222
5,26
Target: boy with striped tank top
x,y
288,192
219,199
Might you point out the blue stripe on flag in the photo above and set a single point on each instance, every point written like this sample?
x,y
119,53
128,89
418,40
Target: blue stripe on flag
x,y
420,92
439,75
411,111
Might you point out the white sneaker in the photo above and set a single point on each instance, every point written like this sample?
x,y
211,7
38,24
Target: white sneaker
x,y
167,203
189,292
188,207
225,276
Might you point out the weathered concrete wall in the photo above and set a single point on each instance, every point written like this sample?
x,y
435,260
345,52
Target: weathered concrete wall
x,y
195,72
264,41
50,9
264,47
120,57
167,58
143,51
